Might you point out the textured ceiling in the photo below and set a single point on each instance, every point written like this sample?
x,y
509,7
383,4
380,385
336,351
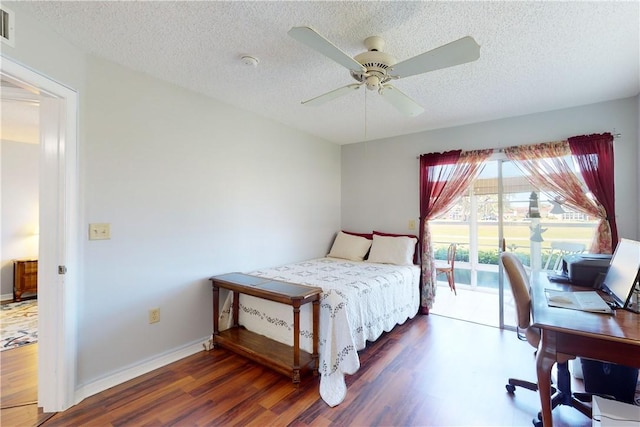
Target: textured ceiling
x,y
535,56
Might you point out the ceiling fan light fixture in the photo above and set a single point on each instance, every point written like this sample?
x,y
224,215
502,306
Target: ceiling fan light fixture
x,y
372,82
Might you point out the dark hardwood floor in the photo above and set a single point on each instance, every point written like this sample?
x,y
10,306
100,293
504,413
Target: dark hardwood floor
x,y
431,371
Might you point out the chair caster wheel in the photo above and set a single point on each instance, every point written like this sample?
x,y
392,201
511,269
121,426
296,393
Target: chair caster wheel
x,y
510,388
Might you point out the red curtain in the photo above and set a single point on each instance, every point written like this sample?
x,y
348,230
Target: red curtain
x,y
444,177
594,155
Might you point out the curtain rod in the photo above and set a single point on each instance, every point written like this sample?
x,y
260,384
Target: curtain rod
x,y
501,150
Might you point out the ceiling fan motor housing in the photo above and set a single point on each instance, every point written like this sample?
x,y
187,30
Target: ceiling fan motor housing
x,y
376,63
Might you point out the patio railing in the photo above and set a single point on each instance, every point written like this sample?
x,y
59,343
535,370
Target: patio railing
x,y
477,257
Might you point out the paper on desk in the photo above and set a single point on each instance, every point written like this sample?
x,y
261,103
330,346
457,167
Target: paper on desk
x,y
581,300
611,413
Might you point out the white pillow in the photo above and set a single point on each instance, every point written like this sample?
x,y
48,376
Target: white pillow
x,y
392,250
350,247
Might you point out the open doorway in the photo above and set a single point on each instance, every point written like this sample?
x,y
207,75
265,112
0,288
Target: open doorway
x,y
58,265
19,189
19,192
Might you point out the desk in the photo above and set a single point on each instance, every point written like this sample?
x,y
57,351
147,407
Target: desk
x,y
610,338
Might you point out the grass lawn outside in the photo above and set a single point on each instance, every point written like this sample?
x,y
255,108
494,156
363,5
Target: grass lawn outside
x,y
516,233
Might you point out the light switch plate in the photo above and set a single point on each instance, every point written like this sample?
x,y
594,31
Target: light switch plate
x,y
99,231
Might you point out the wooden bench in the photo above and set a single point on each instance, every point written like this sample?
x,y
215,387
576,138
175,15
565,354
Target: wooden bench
x,y
281,357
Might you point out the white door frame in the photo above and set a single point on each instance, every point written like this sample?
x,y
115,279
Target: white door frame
x,y
59,237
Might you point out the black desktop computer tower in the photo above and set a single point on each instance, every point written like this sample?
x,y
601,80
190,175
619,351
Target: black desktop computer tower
x,y
610,379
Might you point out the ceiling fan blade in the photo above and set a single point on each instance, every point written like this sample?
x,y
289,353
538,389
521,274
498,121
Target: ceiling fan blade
x,y
455,53
401,101
315,41
319,100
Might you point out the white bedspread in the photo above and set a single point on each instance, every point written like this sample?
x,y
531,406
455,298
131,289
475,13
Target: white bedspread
x,y
360,301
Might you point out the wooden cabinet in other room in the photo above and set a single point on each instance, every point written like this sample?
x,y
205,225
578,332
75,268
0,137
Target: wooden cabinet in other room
x,y
25,278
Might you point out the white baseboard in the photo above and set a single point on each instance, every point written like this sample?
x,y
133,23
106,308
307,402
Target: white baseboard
x,y
6,297
135,371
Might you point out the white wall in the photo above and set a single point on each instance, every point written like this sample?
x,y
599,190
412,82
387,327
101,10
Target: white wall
x,y
191,188
19,214
380,179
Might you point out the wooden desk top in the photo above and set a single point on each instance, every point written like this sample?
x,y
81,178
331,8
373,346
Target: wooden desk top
x,y
622,325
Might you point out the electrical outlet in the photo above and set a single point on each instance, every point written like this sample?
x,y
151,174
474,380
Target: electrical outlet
x,y
412,224
154,315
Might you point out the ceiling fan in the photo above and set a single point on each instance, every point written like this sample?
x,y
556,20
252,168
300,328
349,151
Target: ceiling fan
x,y
375,69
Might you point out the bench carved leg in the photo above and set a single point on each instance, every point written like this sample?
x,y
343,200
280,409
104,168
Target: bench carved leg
x,y
316,335
296,342
216,314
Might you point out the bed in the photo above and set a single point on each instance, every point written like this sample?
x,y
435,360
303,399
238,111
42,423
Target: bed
x,y
361,299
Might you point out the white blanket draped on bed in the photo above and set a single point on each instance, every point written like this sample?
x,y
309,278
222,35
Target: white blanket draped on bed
x,y
360,301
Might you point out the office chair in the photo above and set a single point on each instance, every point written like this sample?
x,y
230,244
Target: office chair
x,y
447,268
561,395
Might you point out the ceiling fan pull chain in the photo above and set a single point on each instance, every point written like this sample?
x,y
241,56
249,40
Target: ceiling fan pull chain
x,y
365,115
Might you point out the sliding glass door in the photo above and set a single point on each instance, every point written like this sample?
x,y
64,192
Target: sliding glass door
x,y
474,224
502,206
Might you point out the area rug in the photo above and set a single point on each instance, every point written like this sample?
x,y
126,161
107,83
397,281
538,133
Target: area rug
x,y
18,324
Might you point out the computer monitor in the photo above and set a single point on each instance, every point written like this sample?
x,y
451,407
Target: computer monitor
x,y
623,272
